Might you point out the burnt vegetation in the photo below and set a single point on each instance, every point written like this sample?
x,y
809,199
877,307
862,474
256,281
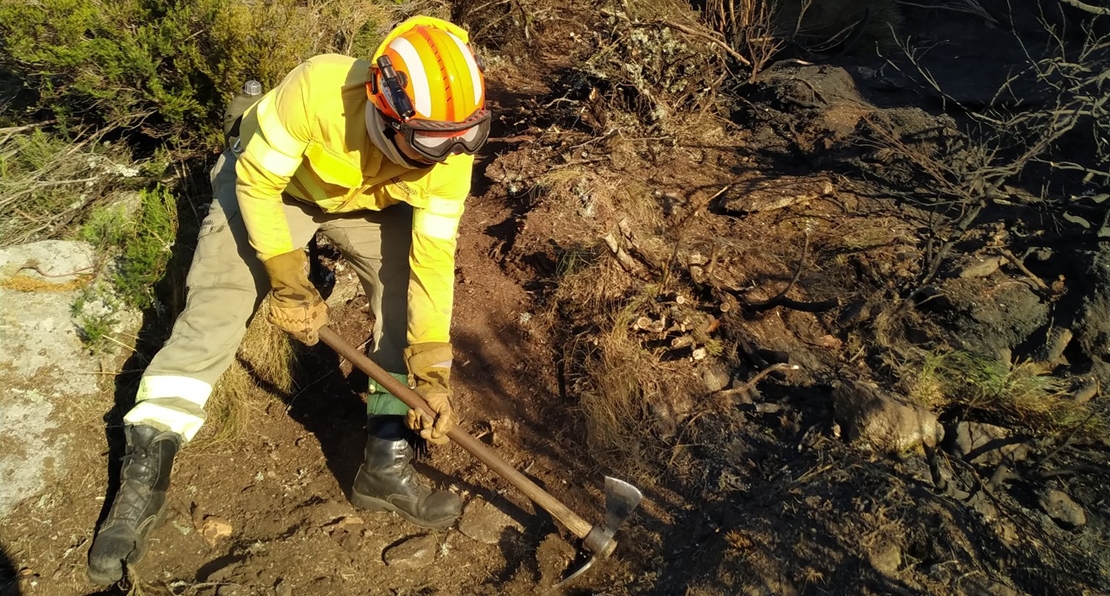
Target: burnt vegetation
x,y
753,206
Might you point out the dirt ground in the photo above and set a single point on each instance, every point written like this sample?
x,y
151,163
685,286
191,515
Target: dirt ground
x,y
785,233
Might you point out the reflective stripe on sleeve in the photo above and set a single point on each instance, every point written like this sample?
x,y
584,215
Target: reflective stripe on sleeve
x,y
442,227
441,206
274,129
171,402
271,160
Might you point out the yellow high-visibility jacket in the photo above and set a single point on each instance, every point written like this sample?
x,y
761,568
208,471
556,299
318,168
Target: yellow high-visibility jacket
x,y
307,138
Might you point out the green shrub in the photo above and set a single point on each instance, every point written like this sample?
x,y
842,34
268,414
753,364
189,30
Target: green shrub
x,y
96,312
147,249
166,67
106,227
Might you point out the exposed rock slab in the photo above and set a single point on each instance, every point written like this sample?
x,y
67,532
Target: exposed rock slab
x,y
43,361
987,444
1061,508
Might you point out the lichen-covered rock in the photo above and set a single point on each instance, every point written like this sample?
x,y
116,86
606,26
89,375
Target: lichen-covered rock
x,y
45,367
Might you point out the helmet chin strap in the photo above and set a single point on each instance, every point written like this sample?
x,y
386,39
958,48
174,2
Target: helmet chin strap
x,y
377,129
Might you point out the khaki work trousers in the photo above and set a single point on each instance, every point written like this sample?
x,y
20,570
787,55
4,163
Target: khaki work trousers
x,y
226,284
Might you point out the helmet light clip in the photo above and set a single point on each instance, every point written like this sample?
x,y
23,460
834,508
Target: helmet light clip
x,y
394,87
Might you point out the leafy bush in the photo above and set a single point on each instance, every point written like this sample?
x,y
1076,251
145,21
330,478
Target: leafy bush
x,y
165,67
153,76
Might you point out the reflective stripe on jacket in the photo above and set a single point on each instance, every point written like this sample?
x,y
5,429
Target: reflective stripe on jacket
x,y
307,138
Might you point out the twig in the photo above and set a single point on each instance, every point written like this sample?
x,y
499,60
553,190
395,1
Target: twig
x,y
626,261
821,306
637,251
1017,263
969,7
14,129
747,387
580,162
108,372
797,274
681,231
678,439
604,137
307,387
36,269
1087,7
780,299
1070,436
121,344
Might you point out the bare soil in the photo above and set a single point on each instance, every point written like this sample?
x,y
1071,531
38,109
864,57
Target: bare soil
x,y
748,492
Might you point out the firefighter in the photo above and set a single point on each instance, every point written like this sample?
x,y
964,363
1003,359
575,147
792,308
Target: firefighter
x,y
377,156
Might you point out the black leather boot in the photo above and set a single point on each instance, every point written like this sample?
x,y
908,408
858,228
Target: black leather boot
x,y
388,482
140,504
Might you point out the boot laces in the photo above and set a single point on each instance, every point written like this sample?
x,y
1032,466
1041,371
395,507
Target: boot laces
x,y
136,486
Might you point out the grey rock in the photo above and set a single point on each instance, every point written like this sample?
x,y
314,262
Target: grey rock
x,y
987,444
995,314
1056,342
870,415
414,553
1061,508
715,377
49,261
979,267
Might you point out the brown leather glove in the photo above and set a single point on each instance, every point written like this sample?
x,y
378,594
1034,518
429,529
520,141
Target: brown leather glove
x,y
295,305
429,374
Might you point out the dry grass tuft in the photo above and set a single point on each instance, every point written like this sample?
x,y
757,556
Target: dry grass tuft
x,y
620,378
630,400
265,362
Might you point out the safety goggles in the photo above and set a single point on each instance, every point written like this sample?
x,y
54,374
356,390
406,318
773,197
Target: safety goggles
x,y
437,140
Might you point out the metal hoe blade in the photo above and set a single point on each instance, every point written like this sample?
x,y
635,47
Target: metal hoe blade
x,y
621,498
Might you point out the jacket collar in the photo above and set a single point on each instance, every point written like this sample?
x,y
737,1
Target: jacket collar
x,y
379,135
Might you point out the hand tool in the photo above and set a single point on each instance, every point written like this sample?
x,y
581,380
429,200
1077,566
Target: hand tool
x,y
621,498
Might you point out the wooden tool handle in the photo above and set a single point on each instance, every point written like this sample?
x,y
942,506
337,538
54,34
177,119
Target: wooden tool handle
x,y
578,526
